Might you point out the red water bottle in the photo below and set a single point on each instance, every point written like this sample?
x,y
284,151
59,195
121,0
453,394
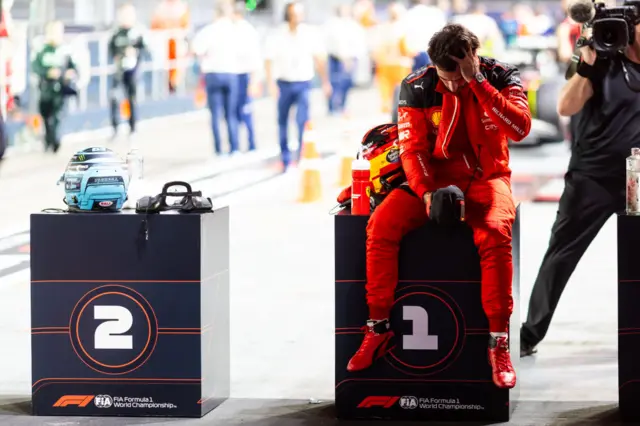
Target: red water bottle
x,y
360,184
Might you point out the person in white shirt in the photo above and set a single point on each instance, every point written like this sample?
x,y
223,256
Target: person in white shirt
x,y
218,56
421,22
292,52
249,63
345,41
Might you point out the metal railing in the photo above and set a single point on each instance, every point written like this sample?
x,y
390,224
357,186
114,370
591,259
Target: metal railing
x,y
95,70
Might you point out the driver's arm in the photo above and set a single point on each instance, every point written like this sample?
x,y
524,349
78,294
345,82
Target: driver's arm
x,y
415,140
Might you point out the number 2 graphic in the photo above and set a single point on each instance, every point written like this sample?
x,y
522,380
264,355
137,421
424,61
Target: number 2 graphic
x,y
110,334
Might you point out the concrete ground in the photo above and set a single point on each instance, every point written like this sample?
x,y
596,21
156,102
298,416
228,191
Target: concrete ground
x,y
283,307
572,380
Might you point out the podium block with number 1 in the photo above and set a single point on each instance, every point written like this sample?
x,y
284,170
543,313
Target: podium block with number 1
x,y
438,368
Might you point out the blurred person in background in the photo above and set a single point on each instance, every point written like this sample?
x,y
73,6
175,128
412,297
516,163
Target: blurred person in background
x,y
509,26
250,64
345,39
217,51
55,69
6,33
523,14
292,53
393,62
541,23
125,50
5,17
568,33
364,11
486,28
172,15
4,137
421,22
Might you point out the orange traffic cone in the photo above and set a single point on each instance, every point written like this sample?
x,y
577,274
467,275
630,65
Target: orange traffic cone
x,y
201,95
345,170
309,147
125,110
311,184
347,157
35,123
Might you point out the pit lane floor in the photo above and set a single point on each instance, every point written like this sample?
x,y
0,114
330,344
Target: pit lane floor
x,y
573,379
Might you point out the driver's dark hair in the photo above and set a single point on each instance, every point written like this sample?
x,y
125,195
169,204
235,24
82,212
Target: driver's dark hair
x,y
453,39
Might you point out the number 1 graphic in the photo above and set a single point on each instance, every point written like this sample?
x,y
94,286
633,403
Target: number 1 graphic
x,y
419,339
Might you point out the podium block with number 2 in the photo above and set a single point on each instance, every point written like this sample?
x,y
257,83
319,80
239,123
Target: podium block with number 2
x,y
130,314
438,367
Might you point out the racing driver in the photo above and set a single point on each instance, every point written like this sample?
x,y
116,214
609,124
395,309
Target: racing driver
x,y
455,119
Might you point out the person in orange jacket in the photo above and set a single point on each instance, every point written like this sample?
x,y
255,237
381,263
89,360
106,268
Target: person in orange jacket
x,y
172,15
455,122
392,59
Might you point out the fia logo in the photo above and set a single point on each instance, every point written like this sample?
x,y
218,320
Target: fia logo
x,y
103,401
408,402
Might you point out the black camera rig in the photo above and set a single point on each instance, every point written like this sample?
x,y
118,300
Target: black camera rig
x,y
613,28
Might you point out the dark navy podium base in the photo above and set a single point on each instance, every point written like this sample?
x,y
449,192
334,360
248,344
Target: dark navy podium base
x,y
439,368
123,325
629,317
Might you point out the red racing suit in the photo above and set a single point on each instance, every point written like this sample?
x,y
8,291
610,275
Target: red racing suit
x,y
454,139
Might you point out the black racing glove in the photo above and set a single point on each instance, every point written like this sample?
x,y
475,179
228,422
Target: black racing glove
x,y
447,206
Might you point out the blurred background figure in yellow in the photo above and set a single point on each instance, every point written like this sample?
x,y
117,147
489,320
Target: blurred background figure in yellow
x,y
476,19
250,65
345,39
173,15
393,61
364,11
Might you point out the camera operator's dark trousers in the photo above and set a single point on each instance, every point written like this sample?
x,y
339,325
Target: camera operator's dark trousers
x,y
127,83
585,206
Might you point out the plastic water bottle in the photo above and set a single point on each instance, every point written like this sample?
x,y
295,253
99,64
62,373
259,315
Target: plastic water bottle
x,y
135,164
633,182
360,186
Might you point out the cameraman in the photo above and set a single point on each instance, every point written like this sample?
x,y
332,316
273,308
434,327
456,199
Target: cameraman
x,y
606,113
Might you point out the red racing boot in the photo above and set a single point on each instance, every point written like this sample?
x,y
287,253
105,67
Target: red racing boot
x,y
375,344
504,376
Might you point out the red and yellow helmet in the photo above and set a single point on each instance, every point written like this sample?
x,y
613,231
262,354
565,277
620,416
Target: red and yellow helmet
x,y
380,148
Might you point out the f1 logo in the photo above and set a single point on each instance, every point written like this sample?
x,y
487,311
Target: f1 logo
x,y
78,400
378,401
